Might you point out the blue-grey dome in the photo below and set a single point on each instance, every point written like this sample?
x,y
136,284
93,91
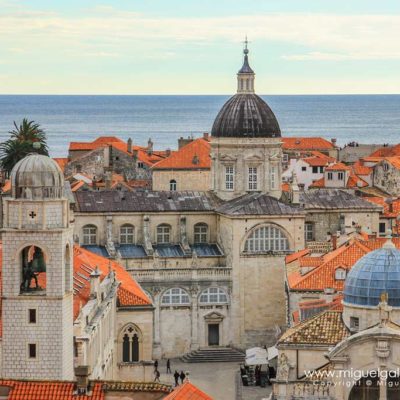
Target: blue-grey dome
x,y
376,273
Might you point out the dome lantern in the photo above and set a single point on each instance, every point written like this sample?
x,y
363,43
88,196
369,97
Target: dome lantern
x,y
37,177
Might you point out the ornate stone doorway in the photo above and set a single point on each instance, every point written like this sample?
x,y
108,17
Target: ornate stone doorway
x,y
213,334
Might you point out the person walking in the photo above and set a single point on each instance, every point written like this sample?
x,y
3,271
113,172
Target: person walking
x,y
155,365
169,367
176,376
157,376
182,376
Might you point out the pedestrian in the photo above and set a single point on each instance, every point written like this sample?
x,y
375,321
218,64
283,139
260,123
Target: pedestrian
x,y
183,376
157,376
155,365
176,376
168,366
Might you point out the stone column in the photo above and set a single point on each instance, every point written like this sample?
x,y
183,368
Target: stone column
x,y
157,351
194,344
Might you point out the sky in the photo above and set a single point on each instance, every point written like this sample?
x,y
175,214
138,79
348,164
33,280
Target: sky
x,y
195,46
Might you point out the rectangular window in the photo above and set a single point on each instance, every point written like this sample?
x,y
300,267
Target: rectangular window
x,y
32,316
382,228
285,158
273,177
140,165
304,168
252,178
340,176
315,170
330,176
321,170
163,234
309,231
32,350
229,177
354,323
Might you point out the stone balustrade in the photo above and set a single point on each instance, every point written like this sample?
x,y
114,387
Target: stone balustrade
x,y
303,390
181,274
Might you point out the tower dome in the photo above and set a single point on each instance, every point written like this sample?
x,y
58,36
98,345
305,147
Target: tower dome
x,y
246,114
37,177
376,273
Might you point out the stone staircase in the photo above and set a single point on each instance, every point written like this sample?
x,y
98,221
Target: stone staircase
x,y
214,354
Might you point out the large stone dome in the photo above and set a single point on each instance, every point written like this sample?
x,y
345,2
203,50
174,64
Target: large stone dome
x,y
376,273
37,177
246,115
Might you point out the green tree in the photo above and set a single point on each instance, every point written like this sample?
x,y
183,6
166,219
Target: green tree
x,y
26,138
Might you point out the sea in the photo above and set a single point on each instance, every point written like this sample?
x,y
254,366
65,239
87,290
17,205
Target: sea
x,y
348,118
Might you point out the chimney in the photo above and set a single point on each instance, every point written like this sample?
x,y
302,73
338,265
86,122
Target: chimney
x,y
294,190
333,141
82,379
108,180
206,136
149,147
129,145
195,160
94,283
184,141
168,152
334,241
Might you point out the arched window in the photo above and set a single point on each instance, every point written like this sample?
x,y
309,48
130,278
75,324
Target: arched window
x,y
172,185
175,296
201,233
33,270
89,234
213,295
130,343
266,238
163,234
126,234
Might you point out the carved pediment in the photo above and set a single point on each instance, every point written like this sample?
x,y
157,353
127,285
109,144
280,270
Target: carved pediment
x,y
253,157
227,158
213,317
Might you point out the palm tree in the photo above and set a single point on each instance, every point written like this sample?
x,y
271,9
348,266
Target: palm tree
x,y
24,140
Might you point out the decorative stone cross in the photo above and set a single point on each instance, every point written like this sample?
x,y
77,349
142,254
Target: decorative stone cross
x,y
32,214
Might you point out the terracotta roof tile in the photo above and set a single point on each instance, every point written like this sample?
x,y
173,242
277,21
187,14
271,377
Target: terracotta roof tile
x,y
194,155
129,292
62,162
49,390
326,328
394,161
306,143
188,391
339,166
295,256
360,169
387,151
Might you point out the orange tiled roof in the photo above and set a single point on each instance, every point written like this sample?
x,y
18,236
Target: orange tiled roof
x,y
49,390
62,162
360,169
99,142
387,151
323,276
295,256
188,391
306,143
326,328
395,207
285,187
395,161
319,183
339,166
129,292
194,155
355,181
7,186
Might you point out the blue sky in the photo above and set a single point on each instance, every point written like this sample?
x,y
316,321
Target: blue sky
x,y
194,47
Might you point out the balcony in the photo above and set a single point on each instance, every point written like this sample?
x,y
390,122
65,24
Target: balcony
x,y
181,274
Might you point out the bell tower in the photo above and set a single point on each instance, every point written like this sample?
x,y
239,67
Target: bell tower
x,y
37,302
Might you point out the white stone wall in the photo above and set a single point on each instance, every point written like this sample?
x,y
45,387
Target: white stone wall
x,y
52,334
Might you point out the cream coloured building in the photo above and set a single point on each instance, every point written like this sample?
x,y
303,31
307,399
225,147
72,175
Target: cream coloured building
x,y
351,354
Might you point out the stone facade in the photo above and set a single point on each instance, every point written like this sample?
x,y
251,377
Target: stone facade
x,y
198,180
386,176
240,165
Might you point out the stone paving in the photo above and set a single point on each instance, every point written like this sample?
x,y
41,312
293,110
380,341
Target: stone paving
x,y
216,379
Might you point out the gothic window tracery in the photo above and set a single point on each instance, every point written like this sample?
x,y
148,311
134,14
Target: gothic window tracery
x,y
131,338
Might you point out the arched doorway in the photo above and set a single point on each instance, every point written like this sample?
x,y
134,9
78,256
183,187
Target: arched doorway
x,y
367,388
